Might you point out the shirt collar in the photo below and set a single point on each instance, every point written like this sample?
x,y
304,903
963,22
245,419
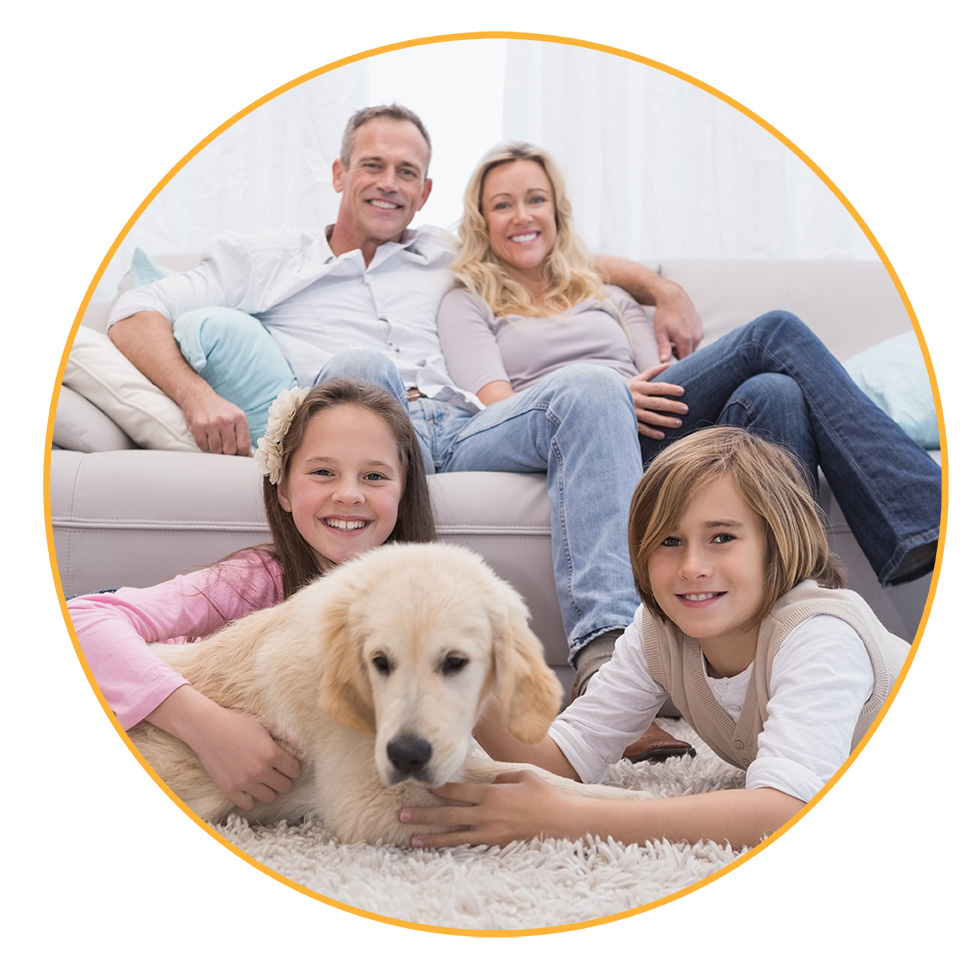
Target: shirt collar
x,y
412,240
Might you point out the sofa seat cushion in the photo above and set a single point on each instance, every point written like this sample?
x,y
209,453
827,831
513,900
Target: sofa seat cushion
x,y
136,517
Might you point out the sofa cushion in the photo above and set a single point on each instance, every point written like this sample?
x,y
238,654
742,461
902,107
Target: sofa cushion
x,y
893,376
144,270
81,426
849,304
97,370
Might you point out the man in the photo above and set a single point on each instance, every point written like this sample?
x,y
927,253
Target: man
x,y
361,300
375,208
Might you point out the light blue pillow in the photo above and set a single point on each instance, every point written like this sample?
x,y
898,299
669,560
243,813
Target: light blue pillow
x,y
893,376
144,270
232,350
239,359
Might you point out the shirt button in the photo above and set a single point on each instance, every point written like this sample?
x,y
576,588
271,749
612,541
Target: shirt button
x,y
738,744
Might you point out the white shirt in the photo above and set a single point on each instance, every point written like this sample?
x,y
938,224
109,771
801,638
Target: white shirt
x,y
316,304
821,678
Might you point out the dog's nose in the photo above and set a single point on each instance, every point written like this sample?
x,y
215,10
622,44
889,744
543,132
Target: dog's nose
x,y
408,754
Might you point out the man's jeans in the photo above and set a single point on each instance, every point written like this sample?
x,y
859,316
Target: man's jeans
x,y
576,425
776,377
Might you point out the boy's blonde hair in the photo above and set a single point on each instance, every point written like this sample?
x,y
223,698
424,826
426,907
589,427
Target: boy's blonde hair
x,y
771,484
570,273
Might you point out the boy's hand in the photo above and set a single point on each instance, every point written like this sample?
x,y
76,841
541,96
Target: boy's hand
x,y
517,805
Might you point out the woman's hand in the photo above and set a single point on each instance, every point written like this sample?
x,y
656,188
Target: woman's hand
x,y
235,748
496,391
517,805
656,403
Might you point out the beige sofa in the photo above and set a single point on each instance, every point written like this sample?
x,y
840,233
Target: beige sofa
x,y
124,515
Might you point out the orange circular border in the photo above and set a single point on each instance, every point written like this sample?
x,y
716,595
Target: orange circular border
x,y
436,39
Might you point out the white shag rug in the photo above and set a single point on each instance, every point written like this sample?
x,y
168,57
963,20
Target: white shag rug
x,y
531,885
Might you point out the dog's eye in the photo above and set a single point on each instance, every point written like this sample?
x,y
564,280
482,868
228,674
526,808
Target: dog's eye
x,y
381,664
453,664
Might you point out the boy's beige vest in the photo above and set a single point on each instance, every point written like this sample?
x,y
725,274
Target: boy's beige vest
x,y
675,663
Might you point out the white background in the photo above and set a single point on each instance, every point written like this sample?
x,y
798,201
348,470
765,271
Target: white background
x,y
100,100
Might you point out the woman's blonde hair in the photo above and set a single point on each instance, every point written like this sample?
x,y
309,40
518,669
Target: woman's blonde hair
x,y
570,273
769,481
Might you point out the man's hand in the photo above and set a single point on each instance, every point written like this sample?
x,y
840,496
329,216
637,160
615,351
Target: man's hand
x,y
656,403
677,325
217,426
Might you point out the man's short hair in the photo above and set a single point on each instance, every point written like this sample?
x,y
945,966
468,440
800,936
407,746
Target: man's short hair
x,y
397,112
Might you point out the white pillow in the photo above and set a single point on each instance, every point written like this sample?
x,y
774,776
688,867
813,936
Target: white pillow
x,y
100,372
893,376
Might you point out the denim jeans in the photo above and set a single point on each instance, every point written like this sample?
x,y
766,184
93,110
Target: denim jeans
x,y
579,427
776,377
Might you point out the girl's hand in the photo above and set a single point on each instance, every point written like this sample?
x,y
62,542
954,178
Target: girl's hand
x,y
235,748
656,403
517,805
244,760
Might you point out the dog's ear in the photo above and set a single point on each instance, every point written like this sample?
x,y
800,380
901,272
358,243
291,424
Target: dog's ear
x,y
344,694
527,689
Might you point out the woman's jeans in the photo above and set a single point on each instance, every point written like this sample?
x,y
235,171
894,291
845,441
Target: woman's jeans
x,y
777,378
578,426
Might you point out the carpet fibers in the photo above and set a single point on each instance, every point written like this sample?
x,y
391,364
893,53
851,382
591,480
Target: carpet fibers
x,y
524,886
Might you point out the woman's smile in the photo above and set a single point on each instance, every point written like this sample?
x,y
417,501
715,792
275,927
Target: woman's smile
x,y
518,207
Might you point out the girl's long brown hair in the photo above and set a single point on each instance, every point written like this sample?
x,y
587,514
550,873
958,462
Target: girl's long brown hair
x,y
415,517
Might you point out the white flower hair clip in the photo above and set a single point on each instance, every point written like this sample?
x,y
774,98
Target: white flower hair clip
x,y
280,417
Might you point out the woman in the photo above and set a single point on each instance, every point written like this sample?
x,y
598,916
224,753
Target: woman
x,y
530,302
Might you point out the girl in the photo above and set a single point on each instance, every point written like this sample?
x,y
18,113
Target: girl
x,y
343,473
745,624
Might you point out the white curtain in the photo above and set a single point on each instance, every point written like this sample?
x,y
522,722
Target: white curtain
x,y
272,168
658,167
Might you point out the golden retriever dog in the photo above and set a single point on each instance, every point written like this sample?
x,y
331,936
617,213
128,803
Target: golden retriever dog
x,y
376,673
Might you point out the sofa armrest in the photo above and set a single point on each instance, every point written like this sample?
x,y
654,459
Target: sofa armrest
x,y
82,426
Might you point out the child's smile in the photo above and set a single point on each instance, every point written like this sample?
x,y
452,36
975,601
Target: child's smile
x,y
344,483
708,575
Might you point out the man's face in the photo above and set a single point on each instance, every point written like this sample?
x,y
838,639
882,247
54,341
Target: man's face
x,y
384,185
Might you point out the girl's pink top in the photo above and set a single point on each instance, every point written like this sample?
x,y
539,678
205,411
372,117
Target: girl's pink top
x,y
116,630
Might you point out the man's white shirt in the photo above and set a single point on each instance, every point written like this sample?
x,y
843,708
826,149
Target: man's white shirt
x,y
316,304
